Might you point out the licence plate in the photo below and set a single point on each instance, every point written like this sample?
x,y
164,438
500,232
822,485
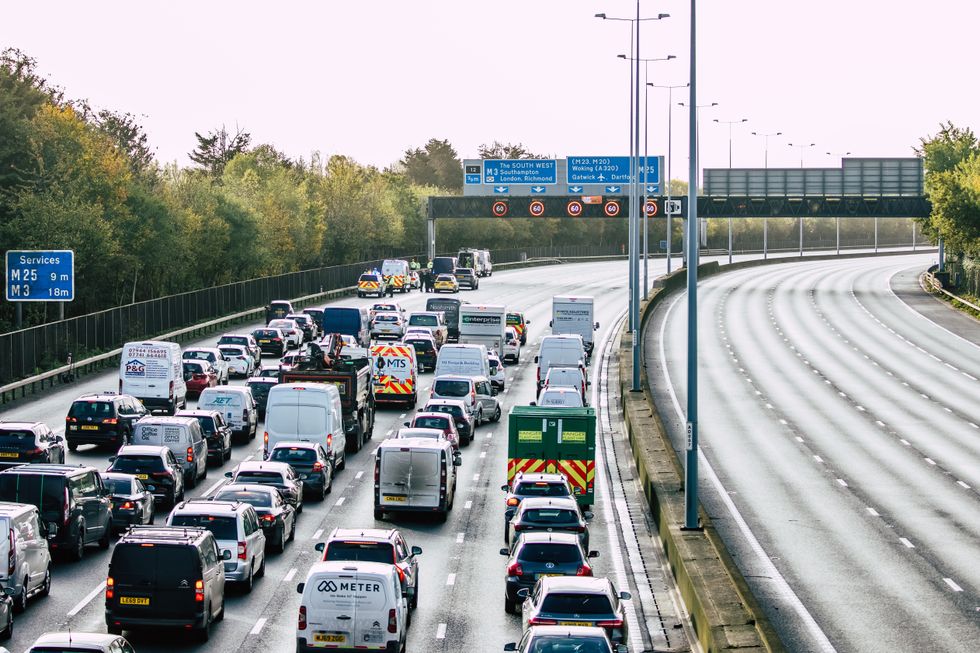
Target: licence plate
x,y
264,342
134,600
546,575
142,477
89,427
334,638
9,454
574,623
389,497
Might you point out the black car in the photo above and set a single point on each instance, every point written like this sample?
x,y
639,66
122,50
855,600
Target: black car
x,y
29,442
217,433
467,277
132,503
550,514
532,485
425,351
71,499
542,554
105,418
270,341
305,323
260,386
316,314
155,466
277,310
276,517
310,462
165,577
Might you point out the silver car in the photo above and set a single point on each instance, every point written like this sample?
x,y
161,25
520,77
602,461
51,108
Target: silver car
x,y
387,325
486,396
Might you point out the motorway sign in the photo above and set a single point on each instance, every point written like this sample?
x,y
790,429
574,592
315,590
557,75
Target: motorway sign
x,y
673,207
610,170
40,276
520,171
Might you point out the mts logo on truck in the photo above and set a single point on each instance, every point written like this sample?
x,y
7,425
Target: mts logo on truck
x,y
348,586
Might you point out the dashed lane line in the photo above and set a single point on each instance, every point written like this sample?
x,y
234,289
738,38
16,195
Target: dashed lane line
x,y
88,598
257,628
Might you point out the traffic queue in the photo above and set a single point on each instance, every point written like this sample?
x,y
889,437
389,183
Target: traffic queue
x,y
314,406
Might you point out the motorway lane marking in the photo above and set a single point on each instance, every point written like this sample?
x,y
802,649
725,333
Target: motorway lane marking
x,y
390,431
317,534
483,454
974,425
257,628
963,485
402,416
780,583
969,376
860,408
467,505
441,631
460,537
476,477
340,501
247,458
817,458
952,367
81,604
289,575
930,460
952,584
451,579
872,511
879,423
358,475
906,542
842,482
905,442
799,439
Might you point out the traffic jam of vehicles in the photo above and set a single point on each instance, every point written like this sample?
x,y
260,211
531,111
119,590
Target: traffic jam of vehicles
x,y
314,379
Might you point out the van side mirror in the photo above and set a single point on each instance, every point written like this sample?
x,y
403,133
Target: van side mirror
x,y
596,326
226,554
227,474
510,646
320,546
457,460
505,552
300,587
625,596
493,392
588,514
534,403
112,458
10,591
593,554
523,593
551,323
535,359
527,321
416,550
505,487
51,530
622,648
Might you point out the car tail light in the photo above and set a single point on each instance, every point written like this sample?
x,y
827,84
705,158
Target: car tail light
x,y
513,501
199,591
301,622
277,340
611,623
518,528
126,505
515,569
36,451
12,552
71,420
190,454
579,529
265,439
392,621
330,440
268,518
110,587
243,552
377,472
401,573
120,386
160,474
584,570
110,420
171,388
318,466
537,621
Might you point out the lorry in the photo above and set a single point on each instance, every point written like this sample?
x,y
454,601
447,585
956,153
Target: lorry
x,y
352,375
575,316
542,439
449,307
483,324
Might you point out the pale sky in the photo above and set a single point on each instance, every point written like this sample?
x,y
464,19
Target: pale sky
x,y
370,79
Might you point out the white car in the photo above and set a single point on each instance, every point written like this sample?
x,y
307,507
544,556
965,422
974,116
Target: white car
x,y
74,640
497,376
512,345
239,360
426,331
386,307
567,376
387,325
212,355
560,395
292,332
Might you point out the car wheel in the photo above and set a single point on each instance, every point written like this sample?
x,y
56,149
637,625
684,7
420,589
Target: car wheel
x,y
227,455
247,583
8,632
20,601
415,597
152,516
204,633
299,508
342,465
261,572
496,414
72,446
379,514
113,630
292,531
280,544
106,534
78,546
46,585
221,612
510,607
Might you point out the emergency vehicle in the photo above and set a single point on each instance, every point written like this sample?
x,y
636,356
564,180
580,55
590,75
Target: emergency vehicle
x,y
397,274
395,373
370,283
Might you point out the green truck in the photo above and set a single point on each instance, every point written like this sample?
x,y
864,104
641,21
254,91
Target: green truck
x,y
545,439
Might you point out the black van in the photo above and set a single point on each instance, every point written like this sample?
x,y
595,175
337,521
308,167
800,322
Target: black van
x,y
165,577
444,265
450,309
72,499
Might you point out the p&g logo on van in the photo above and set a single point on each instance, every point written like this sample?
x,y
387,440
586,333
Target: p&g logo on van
x,y
135,367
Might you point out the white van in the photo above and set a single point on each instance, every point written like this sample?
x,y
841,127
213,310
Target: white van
x,y
24,546
574,315
396,373
483,324
397,274
183,436
352,604
306,411
153,372
237,405
415,475
463,360
560,351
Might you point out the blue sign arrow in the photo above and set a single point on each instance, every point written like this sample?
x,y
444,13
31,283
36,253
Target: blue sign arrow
x,y
537,190
501,189
574,189
612,189
45,276
653,189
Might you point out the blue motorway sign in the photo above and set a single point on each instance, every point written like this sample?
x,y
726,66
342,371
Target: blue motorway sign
x,y
45,276
520,171
472,179
609,169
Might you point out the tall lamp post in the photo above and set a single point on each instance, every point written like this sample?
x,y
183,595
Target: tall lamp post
x,y
670,132
765,221
634,187
837,219
646,163
730,123
802,147
696,142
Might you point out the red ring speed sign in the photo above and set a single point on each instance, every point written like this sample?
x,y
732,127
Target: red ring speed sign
x,y
652,207
611,209
574,208
500,209
536,208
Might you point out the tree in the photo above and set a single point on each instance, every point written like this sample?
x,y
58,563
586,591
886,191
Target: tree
x,y
214,151
129,136
955,197
948,148
507,151
436,164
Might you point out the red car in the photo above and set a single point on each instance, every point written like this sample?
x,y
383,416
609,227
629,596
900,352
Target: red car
x,y
442,421
199,375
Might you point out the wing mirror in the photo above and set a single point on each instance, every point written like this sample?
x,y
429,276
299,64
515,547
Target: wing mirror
x,y
227,474
593,554
416,550
534,403
504,552
535,359
505,487
320,546
226,554
596,328
510,646
588,514
625,596
406,424
300,587
457,459
622,648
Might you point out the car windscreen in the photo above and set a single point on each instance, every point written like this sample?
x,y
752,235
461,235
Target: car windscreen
x,y
292,455
451,388
231,352
568,644
41,490
266,333
233,340
258,476
193,368
423,320
118,485
385,318
549,552
260,391
299,421
135,563
207,424
548,516
257,499
431,423
361,551
541,490
199,355
132,464
223,528
576,603
82,409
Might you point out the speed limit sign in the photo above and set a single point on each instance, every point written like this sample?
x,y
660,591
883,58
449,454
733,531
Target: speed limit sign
x,y
499,209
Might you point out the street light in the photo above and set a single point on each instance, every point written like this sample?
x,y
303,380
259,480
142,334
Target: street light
x,y
765,221
837,219
730,123
670,115
802,148
766,137
697,171
646,164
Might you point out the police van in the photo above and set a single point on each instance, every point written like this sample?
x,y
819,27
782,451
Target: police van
x,y
351,605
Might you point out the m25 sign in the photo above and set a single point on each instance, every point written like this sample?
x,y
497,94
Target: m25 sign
x,y
40,276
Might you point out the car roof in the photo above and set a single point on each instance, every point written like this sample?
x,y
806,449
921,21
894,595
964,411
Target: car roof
x,y
19,425
234,335
262,465
576,584
119,476
561,389
165,420
347,566
565,503
537,477
141,450
570,631
197,413
419,432
169,534
443,402
207,349
75,638
452,377
557,537
375,534
423,413
48,468
421,443
101,396
248,487
296,444
208,507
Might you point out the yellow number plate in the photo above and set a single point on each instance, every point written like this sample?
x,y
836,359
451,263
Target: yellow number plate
x,y
133,600
389,497
89,427
9,454
264,342
329,637
142,477
544,575
574,623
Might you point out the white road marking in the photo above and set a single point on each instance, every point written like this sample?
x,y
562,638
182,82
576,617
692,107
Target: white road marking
x,y
441,631
483,454
879,422
476,477
952,367
952,584
257,628
451,579
842,482
402,416
963,485
974,425
247,458
358,475
317,534
817,458
289,575
930,461
969,376
872,511
460,537
340,501
783,422
81,604
468,505
799,439
906,542
860,408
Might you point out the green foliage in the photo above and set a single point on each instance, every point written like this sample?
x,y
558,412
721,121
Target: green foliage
x,y
436,164
214,151
500,150
952,162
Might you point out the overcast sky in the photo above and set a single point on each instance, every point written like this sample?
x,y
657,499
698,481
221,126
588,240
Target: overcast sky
x,y
371,79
